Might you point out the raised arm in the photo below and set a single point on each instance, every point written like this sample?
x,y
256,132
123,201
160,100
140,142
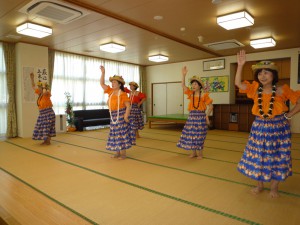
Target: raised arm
x,y
102,78
184,72
32,81
241,60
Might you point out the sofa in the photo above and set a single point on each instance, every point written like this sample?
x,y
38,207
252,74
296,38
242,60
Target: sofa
x,y
92,117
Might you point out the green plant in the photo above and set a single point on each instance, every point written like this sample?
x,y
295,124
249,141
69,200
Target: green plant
x,y
69,110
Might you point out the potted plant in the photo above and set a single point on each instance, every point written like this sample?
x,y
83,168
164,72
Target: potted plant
x,y
69,112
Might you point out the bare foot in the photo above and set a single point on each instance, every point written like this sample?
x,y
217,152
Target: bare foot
x,y
274,194
274,189
122,157
192,155
115,156
257,190
200,155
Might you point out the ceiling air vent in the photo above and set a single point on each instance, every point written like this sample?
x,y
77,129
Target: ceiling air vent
x,y
54,10
224,45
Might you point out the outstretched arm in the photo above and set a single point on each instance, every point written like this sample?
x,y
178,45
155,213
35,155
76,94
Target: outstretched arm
x,y
241,60
184,72
103,85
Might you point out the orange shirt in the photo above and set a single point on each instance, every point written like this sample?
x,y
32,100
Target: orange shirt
x,y
279,105
204,100
44,100
114,99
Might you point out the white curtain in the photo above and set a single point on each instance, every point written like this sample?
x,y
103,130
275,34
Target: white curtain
x,y
80,76
3,94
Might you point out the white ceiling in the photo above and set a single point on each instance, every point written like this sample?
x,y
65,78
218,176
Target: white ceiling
x,y
183,33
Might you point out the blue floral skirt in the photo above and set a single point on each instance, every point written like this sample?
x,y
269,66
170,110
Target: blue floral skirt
x,y
45,125
136,117
194,131
267,155
121,136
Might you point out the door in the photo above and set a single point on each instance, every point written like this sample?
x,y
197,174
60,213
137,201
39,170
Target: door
x,y
174,98
159,104
167,98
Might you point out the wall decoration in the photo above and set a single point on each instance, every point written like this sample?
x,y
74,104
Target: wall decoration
x,y
28,93
215,84
217,64
40,75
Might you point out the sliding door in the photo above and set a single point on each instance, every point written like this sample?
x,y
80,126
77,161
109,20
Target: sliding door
x,y
167,98
174,98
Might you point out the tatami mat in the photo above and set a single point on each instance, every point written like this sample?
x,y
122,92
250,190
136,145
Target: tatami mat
x,y
157,184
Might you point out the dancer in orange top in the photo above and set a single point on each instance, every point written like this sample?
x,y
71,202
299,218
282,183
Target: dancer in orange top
x,y
267,155
45,126
136,114
120,137
195,129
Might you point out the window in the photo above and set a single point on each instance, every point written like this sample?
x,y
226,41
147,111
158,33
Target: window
x,y
3,94
80,76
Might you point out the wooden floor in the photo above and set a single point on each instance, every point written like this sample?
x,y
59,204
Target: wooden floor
x,y
74,181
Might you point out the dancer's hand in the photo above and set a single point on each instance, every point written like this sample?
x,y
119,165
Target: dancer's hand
x,y
241,58
126,118
207,120
102,69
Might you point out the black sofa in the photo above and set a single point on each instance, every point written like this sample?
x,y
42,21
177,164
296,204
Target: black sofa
x,y
92,117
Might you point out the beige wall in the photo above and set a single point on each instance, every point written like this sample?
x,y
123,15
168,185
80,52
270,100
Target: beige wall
x,y
172,72
27,112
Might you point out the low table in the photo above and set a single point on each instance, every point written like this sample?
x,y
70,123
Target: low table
x,y
170,118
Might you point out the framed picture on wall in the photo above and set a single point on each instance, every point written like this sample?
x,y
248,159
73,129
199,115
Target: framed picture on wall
x,y
217,64
299,69
215,83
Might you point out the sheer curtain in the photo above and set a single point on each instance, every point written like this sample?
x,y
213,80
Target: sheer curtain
x,y
3,94
80,76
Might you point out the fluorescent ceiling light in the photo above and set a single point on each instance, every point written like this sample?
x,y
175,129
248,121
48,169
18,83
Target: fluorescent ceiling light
x,y
34,30
263,43
158,58
112,48
235,20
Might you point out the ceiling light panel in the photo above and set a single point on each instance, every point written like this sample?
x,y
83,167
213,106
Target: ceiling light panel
x,y
235,20
263,43
34,30
158,58
112,48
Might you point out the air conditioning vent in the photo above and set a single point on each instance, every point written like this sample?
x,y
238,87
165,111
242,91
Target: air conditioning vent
x,y
224,45
54,10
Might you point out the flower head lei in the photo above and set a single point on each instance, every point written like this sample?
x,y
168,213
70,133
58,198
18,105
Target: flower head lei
x,y
270,111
